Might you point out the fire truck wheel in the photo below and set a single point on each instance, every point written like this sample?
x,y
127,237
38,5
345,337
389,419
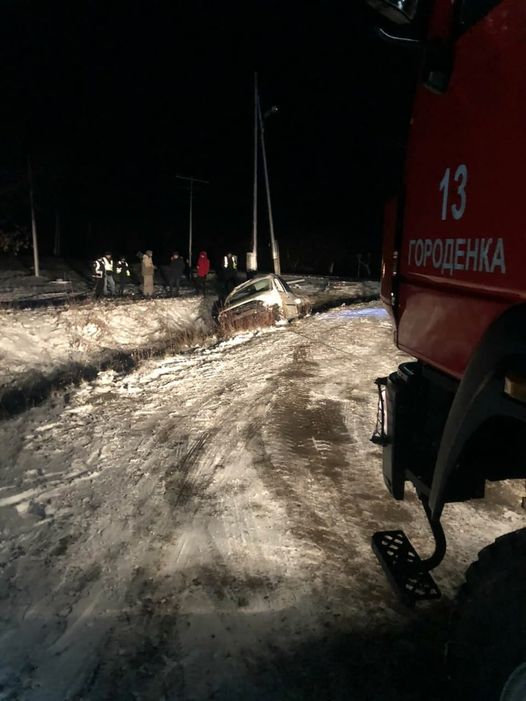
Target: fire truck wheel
x,y
487,646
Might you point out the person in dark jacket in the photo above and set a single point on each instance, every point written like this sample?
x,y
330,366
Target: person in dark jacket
x,y
122,272
202,269
175,273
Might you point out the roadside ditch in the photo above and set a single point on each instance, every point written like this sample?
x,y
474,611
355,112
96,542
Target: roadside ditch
x,y
34,387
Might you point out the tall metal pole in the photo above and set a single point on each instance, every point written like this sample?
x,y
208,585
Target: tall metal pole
x,y
190,222
36,263
254,261
273,242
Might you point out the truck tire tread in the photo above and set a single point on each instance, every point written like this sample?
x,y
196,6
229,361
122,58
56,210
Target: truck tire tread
x,y
488,625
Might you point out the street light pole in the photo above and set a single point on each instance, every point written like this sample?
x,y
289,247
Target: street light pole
x,y
252,258
273,242
190,222
192,180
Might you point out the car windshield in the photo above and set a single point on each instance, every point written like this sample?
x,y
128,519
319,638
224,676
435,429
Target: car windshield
x,y
280,282
255,287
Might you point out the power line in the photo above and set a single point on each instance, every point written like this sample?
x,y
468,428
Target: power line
x,y
191,180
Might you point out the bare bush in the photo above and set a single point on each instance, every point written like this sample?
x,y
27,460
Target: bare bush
x,y
13,241
178,341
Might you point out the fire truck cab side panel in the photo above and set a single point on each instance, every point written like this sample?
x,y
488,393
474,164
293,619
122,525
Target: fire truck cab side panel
x,y
460,265
453,265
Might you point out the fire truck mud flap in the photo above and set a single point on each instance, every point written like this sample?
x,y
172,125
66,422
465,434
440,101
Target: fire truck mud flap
x,y
395,424
404,568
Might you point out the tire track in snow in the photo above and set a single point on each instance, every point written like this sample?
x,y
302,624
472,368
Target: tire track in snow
x,y
302,439
215,632
190,475
209,555
222,574
194,457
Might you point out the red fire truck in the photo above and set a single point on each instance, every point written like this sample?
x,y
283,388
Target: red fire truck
x,y
454,282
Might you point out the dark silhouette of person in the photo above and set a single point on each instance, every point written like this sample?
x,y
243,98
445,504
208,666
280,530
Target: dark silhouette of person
x,y
175,273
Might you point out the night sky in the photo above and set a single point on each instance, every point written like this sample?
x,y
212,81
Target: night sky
x,y
112,100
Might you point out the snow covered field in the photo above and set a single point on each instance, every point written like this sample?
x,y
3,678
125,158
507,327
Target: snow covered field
x,y
199,528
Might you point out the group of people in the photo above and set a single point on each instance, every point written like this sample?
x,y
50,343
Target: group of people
x,y
111,277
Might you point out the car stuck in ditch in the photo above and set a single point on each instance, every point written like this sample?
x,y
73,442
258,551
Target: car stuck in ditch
x,y
262,300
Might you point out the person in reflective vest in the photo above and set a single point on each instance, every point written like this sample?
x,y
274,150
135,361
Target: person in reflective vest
x,y
98,275
109,281
122,271
229,272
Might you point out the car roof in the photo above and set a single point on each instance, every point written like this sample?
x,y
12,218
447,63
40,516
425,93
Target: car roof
x,y
256,277
247,283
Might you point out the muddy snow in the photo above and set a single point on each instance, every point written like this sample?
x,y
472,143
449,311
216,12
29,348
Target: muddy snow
x,y
199,528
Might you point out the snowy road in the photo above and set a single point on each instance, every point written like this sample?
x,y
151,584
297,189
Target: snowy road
x,y
200,528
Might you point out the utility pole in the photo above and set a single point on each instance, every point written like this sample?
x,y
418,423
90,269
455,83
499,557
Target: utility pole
x,y
36,264
252,258
273,242
191,180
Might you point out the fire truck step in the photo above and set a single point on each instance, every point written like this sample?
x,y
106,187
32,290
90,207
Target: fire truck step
x,y
402,565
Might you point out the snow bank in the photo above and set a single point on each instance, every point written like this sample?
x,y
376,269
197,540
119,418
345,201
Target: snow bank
x,y
42,340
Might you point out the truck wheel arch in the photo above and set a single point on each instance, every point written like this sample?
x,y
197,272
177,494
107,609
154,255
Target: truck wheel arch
x,y
480,396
